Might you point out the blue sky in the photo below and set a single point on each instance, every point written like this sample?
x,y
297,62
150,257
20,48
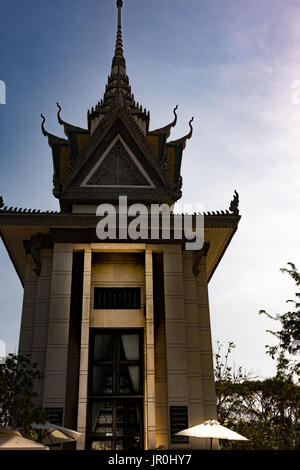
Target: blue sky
x,y
229,63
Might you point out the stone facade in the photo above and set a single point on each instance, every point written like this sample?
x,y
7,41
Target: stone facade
x,y
178,367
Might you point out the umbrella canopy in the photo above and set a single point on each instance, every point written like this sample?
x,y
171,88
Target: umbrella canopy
x,y
12,440
212,429
56,434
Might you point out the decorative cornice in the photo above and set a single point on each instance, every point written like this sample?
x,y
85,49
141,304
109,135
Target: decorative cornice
x,y
33,217
220,215
20,210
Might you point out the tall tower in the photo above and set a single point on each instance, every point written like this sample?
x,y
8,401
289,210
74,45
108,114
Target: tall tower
x,y
120,328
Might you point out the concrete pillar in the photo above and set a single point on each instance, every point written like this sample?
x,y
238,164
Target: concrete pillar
x,y
28,309
43,292
175,332
206,352
193,348
149,356
161,379
84,349
58,327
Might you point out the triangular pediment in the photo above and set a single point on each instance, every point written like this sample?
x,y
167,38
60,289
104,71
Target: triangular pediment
x,y
117,167
117,160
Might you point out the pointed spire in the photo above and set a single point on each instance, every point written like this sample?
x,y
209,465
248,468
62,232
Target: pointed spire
x,y
119,54
118,90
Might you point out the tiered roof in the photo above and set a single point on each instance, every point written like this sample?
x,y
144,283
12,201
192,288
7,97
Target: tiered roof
x,y
117,114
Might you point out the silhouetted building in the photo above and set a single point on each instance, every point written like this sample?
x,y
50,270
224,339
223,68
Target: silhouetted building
x,y
120,328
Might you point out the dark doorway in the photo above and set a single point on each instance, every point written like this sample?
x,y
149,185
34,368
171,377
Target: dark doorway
x,y
115,412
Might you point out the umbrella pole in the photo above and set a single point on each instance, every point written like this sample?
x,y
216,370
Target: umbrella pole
x,y
211,439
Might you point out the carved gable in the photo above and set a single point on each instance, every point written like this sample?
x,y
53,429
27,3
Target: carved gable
x,y
117,167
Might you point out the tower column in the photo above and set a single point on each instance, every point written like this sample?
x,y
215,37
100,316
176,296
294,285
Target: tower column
x,y
58,327
206,352
39,340
84,349
150,428
175,331
28,311
194,338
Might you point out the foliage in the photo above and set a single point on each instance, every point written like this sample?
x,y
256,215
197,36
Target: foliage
x,y
264,411
289,334
18,411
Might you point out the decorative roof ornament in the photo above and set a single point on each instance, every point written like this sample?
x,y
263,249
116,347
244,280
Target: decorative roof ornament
x,y
45,133
1,202
182,142
189,136
166,129
58,114
234,205
52,139
67,127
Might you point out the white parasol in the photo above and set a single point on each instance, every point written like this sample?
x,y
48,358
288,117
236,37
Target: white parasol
x,y
56,434
212,429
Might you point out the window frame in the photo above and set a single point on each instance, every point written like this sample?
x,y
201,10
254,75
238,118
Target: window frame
x,y
115,397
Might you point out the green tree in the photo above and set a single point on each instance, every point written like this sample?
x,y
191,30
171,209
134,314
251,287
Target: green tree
x,y
264,411
288,335
18,410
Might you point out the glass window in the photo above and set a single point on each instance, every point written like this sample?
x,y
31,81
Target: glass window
x,y
102,380
103,347
115,390
129,380
129,350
